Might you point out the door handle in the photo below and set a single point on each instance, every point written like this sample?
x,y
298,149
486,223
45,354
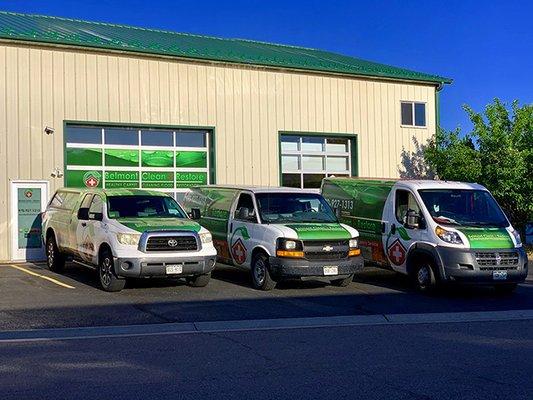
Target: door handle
x,y
393,229
231,227
84,224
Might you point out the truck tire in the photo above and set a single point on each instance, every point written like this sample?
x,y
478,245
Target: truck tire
x,y
199,280
261,278
423,276
106,273
505,288
54,259
343,282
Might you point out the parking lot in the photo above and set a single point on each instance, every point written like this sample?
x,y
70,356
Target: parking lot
x,y
33,297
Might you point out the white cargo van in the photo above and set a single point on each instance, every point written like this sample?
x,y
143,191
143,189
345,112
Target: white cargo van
x,y
434,231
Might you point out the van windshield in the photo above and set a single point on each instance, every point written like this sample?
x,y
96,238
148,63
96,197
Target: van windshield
x,y
463,207
293,207
143,206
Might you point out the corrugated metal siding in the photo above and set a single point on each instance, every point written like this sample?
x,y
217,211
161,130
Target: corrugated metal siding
x,y
247,106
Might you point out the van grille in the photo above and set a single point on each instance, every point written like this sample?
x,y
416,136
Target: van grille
x,y
172,243
316,250
497,260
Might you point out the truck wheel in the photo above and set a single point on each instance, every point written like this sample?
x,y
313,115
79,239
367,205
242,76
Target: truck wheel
x,y
106,272
261,278
423,277
54,259
505,288
199,280
343,282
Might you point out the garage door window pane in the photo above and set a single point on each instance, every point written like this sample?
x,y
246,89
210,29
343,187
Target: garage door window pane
x,y
313,181
312,163
312,144
290,143
157,138
121,136
77,134
190,139
290,163
337,145
407,113
420,114
337,164
291,180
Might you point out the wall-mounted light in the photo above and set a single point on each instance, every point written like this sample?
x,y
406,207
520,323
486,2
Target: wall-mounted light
x,y
49,130
57,173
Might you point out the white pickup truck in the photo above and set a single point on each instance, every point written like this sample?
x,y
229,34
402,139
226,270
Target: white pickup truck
x,y
125,233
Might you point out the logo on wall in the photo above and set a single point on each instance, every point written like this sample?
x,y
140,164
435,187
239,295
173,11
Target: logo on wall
x,y
91,179
396,253
28,194
239,252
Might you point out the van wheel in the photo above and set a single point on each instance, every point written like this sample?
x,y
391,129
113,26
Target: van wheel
x,y
261,278
505,288
199,280
343,282
423,277
106,272
54,259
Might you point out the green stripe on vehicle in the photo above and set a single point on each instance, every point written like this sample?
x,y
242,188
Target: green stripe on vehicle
x,y
319,231
488,238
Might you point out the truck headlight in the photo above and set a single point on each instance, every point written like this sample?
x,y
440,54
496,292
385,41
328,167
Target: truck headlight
x,y
448,236
206,237
516,235
129,239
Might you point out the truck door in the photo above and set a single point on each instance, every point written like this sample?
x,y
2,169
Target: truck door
x,y
400,234
243,230
88,229
75,222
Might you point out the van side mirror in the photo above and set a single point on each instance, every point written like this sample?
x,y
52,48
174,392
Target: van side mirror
x,y
195,213
83,214
412,219
243,213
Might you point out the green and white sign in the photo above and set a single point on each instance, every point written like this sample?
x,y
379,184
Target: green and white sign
x,y
29,218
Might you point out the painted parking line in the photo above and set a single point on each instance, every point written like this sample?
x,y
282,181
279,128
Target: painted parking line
x,y
57,282
180,328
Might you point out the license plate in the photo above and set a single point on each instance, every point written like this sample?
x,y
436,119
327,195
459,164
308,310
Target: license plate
x,y
499,275
174,269
331,270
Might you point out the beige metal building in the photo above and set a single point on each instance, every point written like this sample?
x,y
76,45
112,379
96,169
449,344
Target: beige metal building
x,y
92,104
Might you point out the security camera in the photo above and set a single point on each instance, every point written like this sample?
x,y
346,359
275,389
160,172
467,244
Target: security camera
x,y
49,130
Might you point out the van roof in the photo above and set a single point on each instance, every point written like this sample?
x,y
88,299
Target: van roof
x,y
262,189
413,183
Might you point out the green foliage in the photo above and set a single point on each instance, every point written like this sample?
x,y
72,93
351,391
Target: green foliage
x,y
498,154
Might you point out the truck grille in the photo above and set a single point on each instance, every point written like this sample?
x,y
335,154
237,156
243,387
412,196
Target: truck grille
x,y
503,260
325,250
172,243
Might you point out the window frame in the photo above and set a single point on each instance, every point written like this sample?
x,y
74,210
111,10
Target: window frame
x,y
413,114
255,209
409,192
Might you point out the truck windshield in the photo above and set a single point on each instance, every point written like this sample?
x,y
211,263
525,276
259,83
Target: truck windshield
x,y
294,207
143,206
463,207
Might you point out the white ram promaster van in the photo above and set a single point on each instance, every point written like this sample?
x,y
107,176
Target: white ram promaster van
x,y
434,231
276,233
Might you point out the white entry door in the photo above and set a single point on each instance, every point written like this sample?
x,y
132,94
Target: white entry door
x,y
28,201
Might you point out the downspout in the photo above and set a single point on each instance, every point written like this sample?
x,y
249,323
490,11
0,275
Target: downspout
x,y
437,106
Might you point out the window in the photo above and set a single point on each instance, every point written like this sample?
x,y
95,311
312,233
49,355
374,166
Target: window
x,y
246,202
405,201
86,201
97,208
143,206
413,114
306,160
169,160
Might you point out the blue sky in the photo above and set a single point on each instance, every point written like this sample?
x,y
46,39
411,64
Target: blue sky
x,y
485,46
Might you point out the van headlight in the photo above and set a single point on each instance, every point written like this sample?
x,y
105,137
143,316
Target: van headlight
x,y
448,236
129,239
291,248
353,243
206,237
516,235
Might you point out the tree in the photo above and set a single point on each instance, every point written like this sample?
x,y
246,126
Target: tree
x,y
498,154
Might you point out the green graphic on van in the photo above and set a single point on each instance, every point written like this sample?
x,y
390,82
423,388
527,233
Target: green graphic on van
x,y
241,231
319,231
159,224
157,158
403,233
488,238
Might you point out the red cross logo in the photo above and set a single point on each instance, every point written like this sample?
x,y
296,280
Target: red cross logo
x,y
239,252
91,182
396,253
28,194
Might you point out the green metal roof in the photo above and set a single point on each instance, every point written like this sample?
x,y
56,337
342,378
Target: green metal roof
x,y
72,32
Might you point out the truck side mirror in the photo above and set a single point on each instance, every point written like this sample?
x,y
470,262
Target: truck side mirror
x,y
412,219
96,216
195,213
83,214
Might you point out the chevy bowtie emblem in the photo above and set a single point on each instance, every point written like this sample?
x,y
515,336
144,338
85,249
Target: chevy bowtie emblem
x,y
327,248
172,242
498,259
